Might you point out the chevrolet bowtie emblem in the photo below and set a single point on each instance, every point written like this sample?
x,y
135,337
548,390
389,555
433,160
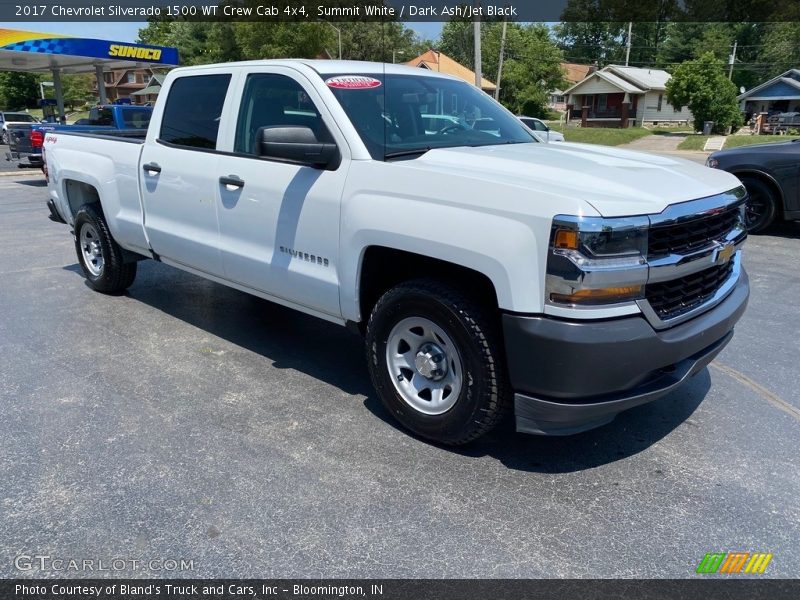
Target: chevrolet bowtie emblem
x,y
724,254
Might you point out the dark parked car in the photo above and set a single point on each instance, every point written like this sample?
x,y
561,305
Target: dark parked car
x,y
771,174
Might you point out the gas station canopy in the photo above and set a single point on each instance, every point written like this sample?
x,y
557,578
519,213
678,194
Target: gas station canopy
x,y
45,52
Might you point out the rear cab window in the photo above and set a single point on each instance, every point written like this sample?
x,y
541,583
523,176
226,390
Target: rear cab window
x,y
193,111
136,118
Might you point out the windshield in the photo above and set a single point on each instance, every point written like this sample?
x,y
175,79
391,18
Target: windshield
x,y
19,118
400,115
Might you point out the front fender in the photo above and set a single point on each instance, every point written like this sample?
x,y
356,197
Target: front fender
x,y
499,247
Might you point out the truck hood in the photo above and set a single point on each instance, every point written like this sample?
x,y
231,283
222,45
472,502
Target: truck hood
x,y
614,182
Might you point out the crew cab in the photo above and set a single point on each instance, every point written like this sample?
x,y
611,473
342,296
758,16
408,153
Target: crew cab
x,y
486,270
26,139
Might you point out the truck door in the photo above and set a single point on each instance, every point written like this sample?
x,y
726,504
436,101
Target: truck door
x,y
178,180
279,222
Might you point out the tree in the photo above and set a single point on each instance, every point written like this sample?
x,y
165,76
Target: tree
x,y
589,43
532,69
197,42
780,49
532,66
687,41
376,41
18,90
702,85
78,89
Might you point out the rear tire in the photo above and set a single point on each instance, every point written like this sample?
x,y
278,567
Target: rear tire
x,y
762,204
100,256
436,361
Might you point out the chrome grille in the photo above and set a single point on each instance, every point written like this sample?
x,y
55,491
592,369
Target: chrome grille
x,y
690,234
673,298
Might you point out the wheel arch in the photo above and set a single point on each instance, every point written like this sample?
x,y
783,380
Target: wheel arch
x,y
383,267
77,193
768,179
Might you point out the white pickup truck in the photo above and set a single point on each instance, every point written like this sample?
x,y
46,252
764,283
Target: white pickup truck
x,y
487,270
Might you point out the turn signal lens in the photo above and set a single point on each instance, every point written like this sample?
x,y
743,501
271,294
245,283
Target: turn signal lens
x,y
566,238
610,295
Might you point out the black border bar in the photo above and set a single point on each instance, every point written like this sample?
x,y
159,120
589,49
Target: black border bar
x,y
707,588
401,10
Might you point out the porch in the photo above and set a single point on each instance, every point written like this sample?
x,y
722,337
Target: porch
x,y
604,110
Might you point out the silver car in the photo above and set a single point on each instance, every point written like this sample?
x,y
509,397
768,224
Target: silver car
x,y
541,128
6,118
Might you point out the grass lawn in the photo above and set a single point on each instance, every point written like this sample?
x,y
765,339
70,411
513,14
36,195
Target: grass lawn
x,y
77,115
693,142
71,116
696,142
600,135
734,141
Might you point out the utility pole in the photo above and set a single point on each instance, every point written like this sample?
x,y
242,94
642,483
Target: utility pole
x,y
628,44
500,62
732,59
477,34
339,34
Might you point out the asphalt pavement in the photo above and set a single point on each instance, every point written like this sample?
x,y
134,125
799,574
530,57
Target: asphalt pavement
x,y
184,420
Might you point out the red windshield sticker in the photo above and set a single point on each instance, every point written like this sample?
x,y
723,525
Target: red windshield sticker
x,y
353,82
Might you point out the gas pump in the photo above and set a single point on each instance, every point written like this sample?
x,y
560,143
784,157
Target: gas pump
x,y
48,106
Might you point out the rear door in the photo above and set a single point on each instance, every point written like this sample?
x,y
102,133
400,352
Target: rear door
x,y
279,231
179,172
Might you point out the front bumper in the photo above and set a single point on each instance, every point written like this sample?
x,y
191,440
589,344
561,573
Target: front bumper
x,y
570,376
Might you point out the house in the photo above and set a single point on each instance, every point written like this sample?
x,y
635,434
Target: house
x,y
780,94
438,61
122,83
618,96
572,74
149,93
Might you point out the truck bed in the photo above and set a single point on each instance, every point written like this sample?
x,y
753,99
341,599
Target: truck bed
x,y
114,173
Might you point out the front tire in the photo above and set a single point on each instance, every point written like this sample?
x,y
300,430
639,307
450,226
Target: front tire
x,y
99,255
762,205
436,361
4,138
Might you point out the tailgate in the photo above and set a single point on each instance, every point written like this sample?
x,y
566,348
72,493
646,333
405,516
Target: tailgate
x,y
19,138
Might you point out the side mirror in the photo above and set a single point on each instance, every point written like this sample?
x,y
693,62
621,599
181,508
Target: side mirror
x,y
297,144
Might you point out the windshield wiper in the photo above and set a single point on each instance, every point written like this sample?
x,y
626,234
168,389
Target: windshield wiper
x,y
399,153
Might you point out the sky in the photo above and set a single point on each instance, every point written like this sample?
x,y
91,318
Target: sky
x,y
128,32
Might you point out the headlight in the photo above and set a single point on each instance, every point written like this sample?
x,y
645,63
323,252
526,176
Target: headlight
x,y
712,163
596,261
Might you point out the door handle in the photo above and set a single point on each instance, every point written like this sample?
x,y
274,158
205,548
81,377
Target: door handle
x,y
232,181
151,168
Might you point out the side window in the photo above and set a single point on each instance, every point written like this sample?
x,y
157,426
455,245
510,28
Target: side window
x,y
193,110
271,100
